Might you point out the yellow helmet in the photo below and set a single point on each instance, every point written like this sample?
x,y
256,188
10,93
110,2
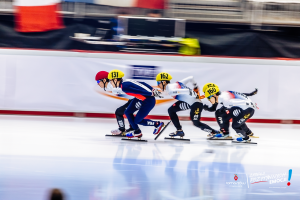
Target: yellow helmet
x,y
208,85
163,76
211,91
113,74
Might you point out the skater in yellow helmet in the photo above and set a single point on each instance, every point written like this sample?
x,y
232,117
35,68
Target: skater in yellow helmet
x,y
143,102
232,105
188,99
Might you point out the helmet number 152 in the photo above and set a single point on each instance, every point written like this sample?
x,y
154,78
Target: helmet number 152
x,y
164,76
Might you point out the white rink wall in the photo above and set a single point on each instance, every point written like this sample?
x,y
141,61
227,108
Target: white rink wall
x,y
61,81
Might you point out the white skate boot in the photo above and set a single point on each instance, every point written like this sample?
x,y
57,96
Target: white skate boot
x,y
117,132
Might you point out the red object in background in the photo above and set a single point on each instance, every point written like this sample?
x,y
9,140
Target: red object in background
x,y
288,184
236,177
38,18
151,4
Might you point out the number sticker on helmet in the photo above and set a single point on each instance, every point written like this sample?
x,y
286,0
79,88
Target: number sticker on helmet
x,y
164,76
115,74
211,90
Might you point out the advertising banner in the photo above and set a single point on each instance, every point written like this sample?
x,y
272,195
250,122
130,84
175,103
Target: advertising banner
x,y
67,83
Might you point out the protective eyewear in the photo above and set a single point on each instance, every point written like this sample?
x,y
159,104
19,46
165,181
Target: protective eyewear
x,y
101,80
158,82
210,97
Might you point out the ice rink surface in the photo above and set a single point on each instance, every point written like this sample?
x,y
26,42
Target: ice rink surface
x,y
73,154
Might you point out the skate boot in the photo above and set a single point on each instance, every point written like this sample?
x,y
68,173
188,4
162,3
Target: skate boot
x,y
223,134
213,134
250,134
137,133
177,133
243,140
158,126
129,130
118,132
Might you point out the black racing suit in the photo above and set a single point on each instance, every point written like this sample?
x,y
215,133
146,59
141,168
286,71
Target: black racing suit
x,y
195,115
238,116
120,115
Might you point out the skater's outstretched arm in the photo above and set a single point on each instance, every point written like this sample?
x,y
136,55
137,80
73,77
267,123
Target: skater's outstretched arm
x,y
213,108
189,79
176,91
252,93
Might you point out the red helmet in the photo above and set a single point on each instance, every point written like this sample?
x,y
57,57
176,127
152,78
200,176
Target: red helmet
x,y
101,75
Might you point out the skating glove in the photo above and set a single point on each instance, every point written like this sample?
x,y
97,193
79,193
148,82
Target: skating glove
x,y
205,107
212,108
156,93
252,93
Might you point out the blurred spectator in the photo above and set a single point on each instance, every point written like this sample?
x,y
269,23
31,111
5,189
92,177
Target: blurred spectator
x,y
56,194
114,24
154,13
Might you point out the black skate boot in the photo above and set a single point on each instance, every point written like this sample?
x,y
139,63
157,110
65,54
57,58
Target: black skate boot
x,y
177,133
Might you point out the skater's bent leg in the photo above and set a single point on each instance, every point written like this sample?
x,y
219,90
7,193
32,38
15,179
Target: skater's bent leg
x,y
195,116
246,129
147,122
178,106
238,128
238,120
223,120
249,112
120,115
146,106
129,113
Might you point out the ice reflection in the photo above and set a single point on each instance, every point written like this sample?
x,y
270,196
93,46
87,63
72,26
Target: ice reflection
x,y
128,176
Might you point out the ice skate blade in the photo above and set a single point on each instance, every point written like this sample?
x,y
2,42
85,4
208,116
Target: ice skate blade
x,y
244,142
249,136
162,130
172,138
219,139
134,140
117,135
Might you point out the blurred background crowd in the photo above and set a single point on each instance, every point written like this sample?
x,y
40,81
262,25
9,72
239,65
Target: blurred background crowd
x,y
251,28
